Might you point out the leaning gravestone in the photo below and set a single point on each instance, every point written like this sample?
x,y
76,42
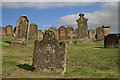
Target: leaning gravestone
x,y
9,30
91,33
62,33
100,34
111,41
22,31
55,30
33,32
49,55
82,30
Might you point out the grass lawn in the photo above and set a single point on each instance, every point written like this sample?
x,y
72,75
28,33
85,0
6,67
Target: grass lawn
x,y
83,61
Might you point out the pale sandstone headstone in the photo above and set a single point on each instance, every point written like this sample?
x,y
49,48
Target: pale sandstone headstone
x,y
106,29
91,33
100,34
22,31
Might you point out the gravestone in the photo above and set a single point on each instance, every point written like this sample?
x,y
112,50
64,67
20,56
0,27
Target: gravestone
x,y
33,32
22,31
71,37
69,32
45,31
82,30
40,34
3,31
75,33
9,30
100,34
91,33
62,33
111,41
55,30
106,29
49,55
0,31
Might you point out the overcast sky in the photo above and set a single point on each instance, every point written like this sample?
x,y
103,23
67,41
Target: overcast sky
x,y
47,14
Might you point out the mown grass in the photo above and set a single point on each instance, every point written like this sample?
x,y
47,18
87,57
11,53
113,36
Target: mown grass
x,y
83,61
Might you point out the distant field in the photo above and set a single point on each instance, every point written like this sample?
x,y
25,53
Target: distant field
x,y
83,61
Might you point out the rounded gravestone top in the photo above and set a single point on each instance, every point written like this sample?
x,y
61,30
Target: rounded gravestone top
x,y
24,15
81,14
91,29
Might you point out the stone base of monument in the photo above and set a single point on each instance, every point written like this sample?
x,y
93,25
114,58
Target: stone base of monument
x,y
84,41
19,42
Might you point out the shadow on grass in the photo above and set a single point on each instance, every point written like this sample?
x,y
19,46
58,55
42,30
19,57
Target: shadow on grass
x,y
100,47
7,42
25,66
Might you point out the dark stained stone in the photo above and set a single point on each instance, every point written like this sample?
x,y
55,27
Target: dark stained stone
x,y
111,41
62,33
9,30
22,31
100,34
33,32
49,55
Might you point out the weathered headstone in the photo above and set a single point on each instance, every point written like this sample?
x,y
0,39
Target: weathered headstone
x,y
33,32
69,32
9,30
106,29
3,31
49,55
45,31
75,33
100,34
91,33
62,33
0,31
40,34
22,31
55,30
83,29
111,41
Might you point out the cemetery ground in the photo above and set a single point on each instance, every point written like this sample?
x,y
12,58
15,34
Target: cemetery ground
x,y
83,61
